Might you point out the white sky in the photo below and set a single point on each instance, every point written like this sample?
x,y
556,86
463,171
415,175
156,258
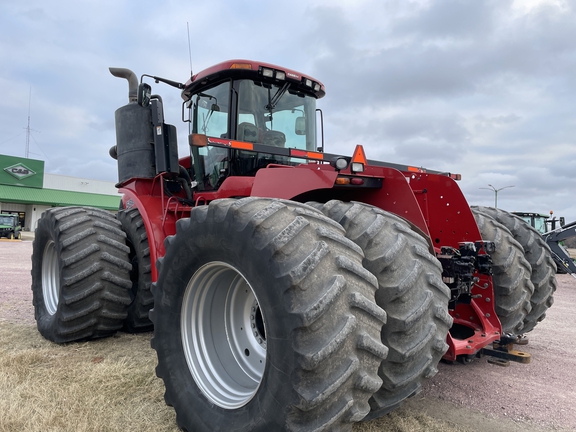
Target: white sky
x,y
482,88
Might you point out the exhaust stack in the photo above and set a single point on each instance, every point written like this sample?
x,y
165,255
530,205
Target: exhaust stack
x,y
132,81
134,149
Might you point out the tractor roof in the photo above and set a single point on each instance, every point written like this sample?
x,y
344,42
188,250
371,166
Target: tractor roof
x,y
250,69
542,215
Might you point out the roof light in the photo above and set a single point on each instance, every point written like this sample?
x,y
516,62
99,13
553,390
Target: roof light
x,y
316,87
269,73
280,75
240,66
308,82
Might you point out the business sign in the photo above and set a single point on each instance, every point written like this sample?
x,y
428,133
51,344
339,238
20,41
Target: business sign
x,y
17,171
20,171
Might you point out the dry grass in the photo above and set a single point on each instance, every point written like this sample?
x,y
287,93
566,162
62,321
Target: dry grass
x,y
107,385
103,385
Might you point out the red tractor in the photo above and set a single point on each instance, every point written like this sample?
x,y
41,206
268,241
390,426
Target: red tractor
x,y
288,288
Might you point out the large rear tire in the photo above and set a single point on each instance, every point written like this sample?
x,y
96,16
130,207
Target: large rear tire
x,y
410,290
511,274
80,274
141,274
538,254
265,320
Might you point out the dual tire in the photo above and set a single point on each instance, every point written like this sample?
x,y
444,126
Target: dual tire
x,y
80,274
290,276
524,269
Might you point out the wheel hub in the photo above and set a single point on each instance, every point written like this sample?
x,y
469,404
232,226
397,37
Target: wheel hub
x,y
223,335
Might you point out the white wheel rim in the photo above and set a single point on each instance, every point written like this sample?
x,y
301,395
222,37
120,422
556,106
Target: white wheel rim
x,y
50,277
223,335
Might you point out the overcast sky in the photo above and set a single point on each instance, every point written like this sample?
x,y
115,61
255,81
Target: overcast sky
x,y
482,88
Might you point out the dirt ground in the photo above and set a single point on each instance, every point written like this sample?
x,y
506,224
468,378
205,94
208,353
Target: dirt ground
x,y
476,397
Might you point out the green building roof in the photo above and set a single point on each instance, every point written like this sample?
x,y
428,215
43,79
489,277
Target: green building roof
x,y
57,198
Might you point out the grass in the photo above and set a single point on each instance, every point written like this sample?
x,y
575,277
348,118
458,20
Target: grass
x,y
102,385
107,385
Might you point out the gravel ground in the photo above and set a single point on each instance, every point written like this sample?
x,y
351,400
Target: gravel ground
x,y
479,396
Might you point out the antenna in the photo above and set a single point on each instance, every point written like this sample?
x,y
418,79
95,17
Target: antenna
x,y
189,49
29,130
27,151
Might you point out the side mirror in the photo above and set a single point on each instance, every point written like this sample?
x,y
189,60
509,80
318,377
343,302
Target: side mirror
x,y
300,126
144,95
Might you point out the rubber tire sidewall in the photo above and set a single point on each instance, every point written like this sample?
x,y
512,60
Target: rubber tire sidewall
x,y
204,411
46,231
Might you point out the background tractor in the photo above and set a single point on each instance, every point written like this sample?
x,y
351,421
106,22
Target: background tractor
x,y
555,232
10,226
288,288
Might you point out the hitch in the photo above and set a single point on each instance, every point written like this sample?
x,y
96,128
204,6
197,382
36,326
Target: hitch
x,y
503,352
460,265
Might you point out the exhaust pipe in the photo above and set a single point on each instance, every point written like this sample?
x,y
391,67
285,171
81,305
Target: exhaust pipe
x,y
134,149
132,81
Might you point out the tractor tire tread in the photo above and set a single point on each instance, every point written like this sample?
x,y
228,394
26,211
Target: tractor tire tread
x,y
410,290
538,255
511,274
142,300
93,283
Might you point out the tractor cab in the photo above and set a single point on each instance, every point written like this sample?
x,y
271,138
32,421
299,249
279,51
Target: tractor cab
x,y
536,220
543,223
245,116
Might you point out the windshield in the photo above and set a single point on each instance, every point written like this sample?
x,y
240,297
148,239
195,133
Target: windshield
x,y
540,224
249,111
6,220
211,111
537,222
275,115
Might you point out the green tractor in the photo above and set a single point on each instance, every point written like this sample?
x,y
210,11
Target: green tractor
x,y
10,226
554,231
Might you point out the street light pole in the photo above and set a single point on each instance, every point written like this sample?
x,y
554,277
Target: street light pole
x,y
492,188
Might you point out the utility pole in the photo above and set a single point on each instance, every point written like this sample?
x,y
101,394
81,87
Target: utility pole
x,y
492,188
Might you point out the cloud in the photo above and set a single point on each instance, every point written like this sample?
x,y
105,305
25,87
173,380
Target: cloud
x,y
484,88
